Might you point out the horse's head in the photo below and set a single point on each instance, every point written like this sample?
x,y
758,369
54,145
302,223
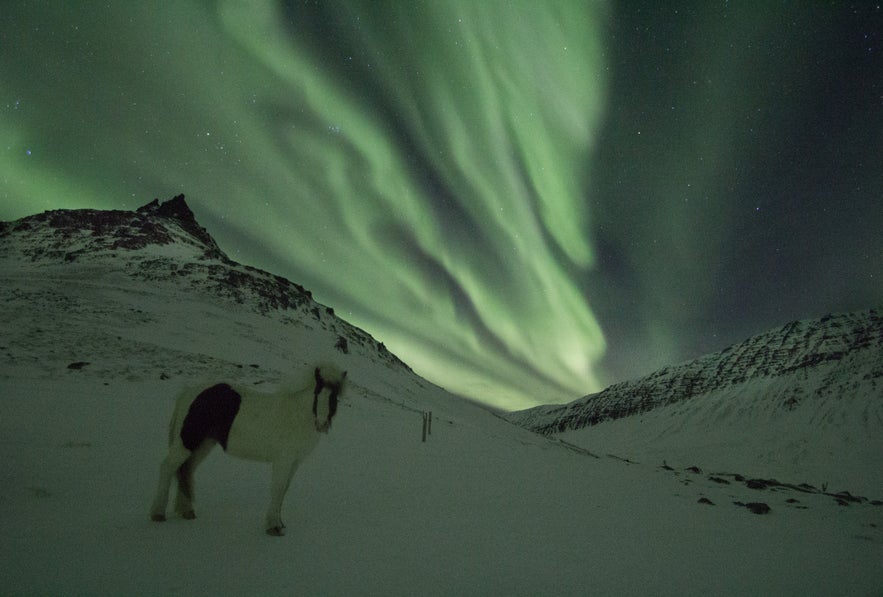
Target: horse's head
x,y
329,385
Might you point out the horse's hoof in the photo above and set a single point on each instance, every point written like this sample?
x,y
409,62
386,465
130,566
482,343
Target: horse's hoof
x,y
276,531
158,517
189,515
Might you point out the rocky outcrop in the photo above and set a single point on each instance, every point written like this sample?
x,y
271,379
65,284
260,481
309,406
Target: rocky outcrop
x,y
68,234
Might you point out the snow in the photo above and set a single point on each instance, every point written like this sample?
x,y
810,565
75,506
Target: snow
x,y
481,508
802,402
833,439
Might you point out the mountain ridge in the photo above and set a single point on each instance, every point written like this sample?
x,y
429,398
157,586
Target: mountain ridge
x,y
111,230
776,354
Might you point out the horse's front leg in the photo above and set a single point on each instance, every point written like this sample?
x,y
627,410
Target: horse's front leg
x,y
283,471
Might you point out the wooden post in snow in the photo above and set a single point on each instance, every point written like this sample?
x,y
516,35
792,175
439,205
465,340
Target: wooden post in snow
x,y
427,424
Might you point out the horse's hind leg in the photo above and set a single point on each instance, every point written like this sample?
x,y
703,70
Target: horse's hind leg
x,y
176,456
186,486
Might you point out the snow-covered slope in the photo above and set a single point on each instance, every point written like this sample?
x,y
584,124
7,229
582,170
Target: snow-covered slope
x,y
106,315
162,250
804,399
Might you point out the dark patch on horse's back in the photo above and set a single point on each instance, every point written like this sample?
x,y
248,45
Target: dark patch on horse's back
x,y
210,416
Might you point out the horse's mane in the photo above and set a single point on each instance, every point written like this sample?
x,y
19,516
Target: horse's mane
x,y
331,373
303,378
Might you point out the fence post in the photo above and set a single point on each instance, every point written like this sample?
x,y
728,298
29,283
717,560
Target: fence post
x,y
424,426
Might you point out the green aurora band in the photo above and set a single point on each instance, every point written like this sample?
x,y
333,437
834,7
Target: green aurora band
x,y
422,168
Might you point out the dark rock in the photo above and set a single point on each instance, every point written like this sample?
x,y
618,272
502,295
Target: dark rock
x,y
755,507
760,483
758,507
848,497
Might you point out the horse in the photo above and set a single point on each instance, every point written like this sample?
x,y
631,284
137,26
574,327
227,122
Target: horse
x,y
279,428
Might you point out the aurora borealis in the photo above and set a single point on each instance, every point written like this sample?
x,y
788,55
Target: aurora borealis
x,y
523,200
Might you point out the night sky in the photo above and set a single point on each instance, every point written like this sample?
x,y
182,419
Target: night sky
x,y
526,201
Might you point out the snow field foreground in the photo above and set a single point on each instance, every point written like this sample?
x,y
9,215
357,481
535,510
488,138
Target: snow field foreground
x,y
480,508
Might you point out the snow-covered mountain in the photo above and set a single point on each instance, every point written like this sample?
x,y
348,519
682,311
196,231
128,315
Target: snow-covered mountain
x,y
107,315
164,246
820,358
806,395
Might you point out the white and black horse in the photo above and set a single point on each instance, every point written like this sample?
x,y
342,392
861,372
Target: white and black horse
x,y
281,428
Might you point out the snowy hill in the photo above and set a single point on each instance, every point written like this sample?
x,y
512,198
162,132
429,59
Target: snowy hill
x,y
805,398
108,314
164,247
